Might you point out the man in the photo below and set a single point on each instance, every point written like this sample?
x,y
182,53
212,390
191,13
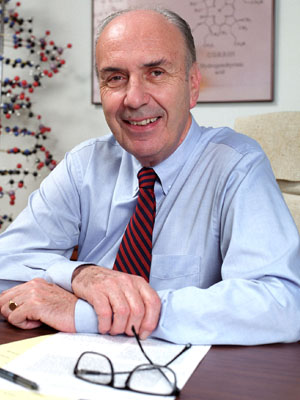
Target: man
x,y
225,250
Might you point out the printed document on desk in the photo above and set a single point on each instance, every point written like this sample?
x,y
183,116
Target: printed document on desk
x,y
51,362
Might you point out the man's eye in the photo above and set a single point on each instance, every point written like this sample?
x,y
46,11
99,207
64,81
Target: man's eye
x,y
156,73
115,80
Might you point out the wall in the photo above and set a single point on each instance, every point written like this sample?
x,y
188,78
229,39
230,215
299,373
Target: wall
x,y
66,103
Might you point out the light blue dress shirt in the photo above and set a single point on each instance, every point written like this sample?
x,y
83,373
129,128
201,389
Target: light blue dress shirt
x,y
226,252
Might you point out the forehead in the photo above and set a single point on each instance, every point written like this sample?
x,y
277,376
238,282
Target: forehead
x,y
145,34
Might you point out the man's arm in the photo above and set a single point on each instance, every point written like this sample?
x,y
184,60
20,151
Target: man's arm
x,y
258,299
37,248
39,243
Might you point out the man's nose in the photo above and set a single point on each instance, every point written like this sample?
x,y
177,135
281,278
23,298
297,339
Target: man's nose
x,y
136,94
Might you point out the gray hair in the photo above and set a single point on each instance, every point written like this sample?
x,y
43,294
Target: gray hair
x,y
170,16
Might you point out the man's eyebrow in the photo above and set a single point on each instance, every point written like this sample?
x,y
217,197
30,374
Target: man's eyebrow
x,y
109,69
151,64
156,63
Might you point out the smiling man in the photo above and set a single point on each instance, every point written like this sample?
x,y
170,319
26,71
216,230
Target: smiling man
x,y
181,230
146,97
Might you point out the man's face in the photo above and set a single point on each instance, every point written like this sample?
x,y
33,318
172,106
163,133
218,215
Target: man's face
x,y
145,89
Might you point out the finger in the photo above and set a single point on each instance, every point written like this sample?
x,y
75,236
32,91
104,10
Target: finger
x,y
5,297
140,297
18,318
121,311
6,310
20,315
5,292
26,324
152,312
2,299
104,313
137,311
126,302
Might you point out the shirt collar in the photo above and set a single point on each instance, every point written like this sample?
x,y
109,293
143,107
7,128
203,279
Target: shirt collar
x,y
169,168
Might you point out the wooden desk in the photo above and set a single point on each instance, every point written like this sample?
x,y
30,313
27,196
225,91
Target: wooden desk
x,y
269,372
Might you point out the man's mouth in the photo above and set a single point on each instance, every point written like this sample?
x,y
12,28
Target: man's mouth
x,y
143,122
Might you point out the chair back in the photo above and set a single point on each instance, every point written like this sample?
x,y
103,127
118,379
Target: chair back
x,y
278,134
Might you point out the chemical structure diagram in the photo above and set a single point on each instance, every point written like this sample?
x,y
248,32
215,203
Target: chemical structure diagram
x,y
219,18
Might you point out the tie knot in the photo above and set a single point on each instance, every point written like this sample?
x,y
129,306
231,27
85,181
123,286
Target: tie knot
x,y
147,177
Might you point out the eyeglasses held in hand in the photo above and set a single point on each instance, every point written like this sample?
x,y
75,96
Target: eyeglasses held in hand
x,y
154,379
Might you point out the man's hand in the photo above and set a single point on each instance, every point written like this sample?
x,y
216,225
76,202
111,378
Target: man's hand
x,y
39,302
120,300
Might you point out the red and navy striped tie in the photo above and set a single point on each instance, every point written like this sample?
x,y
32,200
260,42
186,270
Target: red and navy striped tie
x,y
135,252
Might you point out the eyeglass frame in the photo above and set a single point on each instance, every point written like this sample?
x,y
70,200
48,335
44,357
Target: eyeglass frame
x,y
175,391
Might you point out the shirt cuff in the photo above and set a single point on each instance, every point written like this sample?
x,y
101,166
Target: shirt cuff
x,y
61,272
86,320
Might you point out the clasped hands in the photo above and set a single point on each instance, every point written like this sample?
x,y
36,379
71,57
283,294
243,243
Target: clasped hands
x,y
120,300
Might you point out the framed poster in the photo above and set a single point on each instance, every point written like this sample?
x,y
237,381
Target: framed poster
x,y
234,41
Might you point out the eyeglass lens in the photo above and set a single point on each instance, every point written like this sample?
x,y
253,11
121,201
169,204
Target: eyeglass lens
x,y
95,368
152,379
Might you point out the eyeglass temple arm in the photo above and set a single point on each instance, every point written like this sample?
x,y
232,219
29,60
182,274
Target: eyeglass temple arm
x,y
140,345
186,347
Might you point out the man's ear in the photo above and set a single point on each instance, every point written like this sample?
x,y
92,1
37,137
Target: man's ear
x,y
194,81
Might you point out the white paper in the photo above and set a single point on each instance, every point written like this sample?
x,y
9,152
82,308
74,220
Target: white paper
x,y
50,364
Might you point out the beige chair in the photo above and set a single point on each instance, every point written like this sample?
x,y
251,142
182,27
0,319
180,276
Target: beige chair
x,y
279,135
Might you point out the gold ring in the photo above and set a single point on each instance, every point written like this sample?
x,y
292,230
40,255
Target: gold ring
x,y
12,305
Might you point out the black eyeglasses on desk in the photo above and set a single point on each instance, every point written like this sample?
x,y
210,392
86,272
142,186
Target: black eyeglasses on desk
x,y
149,378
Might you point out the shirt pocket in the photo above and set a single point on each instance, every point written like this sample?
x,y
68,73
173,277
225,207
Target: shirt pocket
x,y
174,271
